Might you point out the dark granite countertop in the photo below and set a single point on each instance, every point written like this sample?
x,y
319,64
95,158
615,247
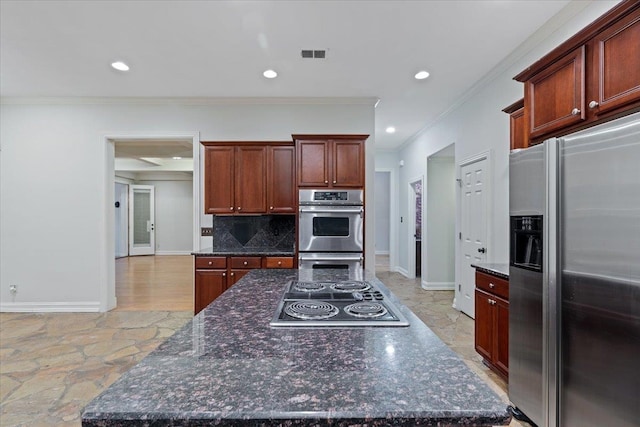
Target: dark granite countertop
x,y
497,269
244,252
228,367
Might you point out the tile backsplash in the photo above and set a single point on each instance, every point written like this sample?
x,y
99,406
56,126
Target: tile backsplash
x,y
267,231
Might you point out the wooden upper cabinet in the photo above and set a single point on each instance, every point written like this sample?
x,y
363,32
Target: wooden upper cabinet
x,y
615,78
219,196
330,160
590,78
555,96
251,179
516,125
348,164
313,163
281,187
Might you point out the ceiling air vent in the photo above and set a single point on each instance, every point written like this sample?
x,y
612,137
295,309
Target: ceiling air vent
x,y
318,54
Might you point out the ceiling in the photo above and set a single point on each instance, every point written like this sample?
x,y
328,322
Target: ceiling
x,y
220,49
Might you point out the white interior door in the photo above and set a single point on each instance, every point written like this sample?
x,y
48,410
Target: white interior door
x,y
473,231
142,236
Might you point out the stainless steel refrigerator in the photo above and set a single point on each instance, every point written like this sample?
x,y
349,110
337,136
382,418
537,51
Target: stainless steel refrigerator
x,y
574,278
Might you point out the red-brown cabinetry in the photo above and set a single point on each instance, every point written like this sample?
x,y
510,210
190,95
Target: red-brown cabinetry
x,y
492,321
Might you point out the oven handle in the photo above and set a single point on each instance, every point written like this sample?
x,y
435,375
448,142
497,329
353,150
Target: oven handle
x,y
331,210
302,257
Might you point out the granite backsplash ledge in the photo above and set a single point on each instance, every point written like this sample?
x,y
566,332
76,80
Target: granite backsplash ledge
x,y
247,232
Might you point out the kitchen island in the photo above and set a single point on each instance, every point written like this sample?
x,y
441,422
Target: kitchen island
x,y
229,367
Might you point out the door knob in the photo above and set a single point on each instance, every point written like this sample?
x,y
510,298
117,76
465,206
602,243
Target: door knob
x,y
482,250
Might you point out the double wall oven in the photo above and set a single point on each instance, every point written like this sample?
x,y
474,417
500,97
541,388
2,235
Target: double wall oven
x,y
331,229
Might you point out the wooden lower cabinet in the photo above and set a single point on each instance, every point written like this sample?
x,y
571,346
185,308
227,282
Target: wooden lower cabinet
x,y
214,275
492,325
210,284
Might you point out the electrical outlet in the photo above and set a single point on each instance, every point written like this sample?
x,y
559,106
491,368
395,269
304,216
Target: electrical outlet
x,y
206,231
13,289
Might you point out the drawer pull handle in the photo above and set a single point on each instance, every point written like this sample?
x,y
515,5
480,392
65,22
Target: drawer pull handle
x,y
491,285
210,263
279,262
245,263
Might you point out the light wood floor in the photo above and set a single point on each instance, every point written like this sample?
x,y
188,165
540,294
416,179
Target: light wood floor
x,y
154,283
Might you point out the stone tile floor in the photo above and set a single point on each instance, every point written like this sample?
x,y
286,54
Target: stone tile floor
x,y
51,365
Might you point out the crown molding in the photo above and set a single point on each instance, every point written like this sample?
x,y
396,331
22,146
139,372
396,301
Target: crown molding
x,y
72,100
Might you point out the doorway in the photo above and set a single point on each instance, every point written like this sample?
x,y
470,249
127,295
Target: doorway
x,y
415,227
121,207
473,245
177,174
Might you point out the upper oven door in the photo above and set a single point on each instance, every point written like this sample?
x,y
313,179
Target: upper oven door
x,y
330,229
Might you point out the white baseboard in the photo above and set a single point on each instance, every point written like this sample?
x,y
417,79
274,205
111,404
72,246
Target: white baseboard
x,y
173,252
402,271
382,252
438,286
51,307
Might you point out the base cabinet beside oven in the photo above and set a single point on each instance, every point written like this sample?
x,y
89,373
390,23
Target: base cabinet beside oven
x,y
492,322
215,274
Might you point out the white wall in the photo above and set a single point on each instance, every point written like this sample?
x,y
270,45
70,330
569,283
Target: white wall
x,y
173,214
477,124
383,211
54,144
438,234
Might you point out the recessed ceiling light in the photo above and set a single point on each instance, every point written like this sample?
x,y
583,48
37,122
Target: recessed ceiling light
x,y
177,158
390,129
421,75
270,74
120,66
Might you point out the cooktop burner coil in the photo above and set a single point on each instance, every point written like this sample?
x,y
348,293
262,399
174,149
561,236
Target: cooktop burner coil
x,y
366,309
309,286
351,286
311,310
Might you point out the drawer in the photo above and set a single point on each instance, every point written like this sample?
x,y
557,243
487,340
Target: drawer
x,y
211,262
492,284
246,262
279,262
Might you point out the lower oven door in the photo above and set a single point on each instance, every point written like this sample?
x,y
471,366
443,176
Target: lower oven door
x,y
346,261
330,229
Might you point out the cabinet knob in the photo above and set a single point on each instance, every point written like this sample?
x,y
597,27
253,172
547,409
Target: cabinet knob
x,y
233,274
575,111
334,181
491,285
326,182
271,207
224,274
489,300
593,104
245,263
279,262
210,263
239,208
230,208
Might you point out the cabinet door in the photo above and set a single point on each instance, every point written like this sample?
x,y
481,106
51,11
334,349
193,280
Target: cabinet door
x,y
251,175
313,163
516,120
219,180
348,164
210,284
501,348
235,275
615,77
554,98
484,324
281,190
